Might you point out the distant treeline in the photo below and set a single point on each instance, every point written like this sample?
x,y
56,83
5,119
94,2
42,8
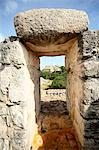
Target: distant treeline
x,y
58,77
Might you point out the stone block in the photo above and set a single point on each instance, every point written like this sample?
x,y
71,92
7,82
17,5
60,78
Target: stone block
x,y
5,79
91,143
91,68
92,129
11,53
34,61
17,101
18,140
90,112
46,25
18,86
17,115
89,44
91,91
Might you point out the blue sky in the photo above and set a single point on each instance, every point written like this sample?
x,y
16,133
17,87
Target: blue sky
x,y
9,8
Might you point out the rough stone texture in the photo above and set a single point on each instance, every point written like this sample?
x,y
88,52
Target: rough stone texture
x,y
49,32
89,105
17,100
91,68
53,94
91,91
44,26
74,88
82,62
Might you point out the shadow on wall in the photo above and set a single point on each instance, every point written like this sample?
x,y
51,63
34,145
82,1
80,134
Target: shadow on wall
x,y
56,130
92,126
56,107
53,112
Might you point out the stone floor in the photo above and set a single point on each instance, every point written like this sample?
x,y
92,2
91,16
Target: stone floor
x,y
55,127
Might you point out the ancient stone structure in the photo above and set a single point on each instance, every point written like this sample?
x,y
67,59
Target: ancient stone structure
x,y
48,32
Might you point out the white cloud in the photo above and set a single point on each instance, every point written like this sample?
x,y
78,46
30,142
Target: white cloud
x,y
1,37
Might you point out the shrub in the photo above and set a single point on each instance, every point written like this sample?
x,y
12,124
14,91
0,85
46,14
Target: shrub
x,y
45,75
58,83
58,77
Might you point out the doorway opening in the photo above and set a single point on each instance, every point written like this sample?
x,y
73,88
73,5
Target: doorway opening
x,y
55,125
53,91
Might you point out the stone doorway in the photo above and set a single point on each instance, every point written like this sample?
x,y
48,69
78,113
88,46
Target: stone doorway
x,y
49,32
54,122
71,54
53,85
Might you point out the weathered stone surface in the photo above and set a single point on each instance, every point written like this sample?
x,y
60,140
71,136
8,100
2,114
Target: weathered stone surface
x,y
41,26
6,145
3,98
3,128
17,115
91,68
49,32
17,101
3,109
5,78
91,144
52,94
89,44
92,128
90,111
1,143
89,104
17,86
91,91
11,53
18,141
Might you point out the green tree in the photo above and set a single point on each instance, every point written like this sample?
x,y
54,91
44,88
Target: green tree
x,y
58,77
45,75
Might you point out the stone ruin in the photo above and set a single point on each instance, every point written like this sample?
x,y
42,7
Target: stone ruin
x,y
48,32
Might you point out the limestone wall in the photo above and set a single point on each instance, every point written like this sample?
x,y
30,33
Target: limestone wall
x,y
89,105
74,88
17,100
82,62
20,92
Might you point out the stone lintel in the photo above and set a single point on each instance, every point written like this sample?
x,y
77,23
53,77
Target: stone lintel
x,y
43,27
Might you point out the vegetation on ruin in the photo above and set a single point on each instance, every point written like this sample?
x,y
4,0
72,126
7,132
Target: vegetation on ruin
x,y
58,78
